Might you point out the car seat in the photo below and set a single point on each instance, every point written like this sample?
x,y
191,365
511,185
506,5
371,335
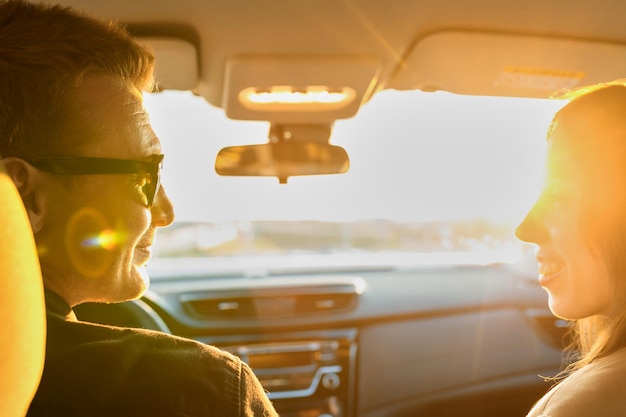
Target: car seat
x,y
22,305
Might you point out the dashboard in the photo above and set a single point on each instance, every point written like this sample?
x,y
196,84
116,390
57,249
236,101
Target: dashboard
x,y
446,341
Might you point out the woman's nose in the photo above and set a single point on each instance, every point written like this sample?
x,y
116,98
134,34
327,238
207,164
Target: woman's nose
x,y
531,229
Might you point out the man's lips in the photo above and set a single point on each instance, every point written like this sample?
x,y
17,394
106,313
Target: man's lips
x,y
143,254
143,249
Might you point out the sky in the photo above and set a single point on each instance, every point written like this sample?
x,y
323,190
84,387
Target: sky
x,y
413,157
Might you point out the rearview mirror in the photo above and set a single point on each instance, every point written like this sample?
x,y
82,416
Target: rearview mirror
x,y
282,159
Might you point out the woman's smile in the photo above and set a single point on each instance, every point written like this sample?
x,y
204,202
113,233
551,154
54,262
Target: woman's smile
x,y
550,271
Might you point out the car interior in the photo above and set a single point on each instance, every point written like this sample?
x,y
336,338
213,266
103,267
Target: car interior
x,y
347,176
22,341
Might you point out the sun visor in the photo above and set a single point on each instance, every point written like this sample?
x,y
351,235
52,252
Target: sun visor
x,y
507,65
176,63
297,89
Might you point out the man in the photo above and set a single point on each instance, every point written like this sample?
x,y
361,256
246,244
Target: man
x,y
76,140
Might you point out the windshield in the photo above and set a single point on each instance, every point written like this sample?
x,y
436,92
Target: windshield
x,y
434,178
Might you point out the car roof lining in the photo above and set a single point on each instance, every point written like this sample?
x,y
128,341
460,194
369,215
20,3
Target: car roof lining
x,y
382,30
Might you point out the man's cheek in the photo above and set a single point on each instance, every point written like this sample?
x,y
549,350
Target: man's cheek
x,y
92,243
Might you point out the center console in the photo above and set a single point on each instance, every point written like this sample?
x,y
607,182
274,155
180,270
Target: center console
x,y
308,374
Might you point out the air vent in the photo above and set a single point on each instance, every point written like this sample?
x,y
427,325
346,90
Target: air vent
x,y
320,303
226,308
273,301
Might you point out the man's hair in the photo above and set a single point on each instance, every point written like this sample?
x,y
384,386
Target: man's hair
x,y
45,51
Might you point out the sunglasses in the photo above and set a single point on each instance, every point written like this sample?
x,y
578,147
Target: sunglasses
x,y
80,165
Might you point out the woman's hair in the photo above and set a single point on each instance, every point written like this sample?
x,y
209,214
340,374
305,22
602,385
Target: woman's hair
x,y
598,114
45,52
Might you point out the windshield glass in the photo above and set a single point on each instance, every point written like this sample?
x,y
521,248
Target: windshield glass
x,y
434,178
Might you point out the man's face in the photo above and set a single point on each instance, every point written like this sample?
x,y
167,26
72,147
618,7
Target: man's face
x,y
98,230
565,224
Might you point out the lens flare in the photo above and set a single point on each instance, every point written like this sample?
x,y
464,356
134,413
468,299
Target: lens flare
x,y
107,239
91,242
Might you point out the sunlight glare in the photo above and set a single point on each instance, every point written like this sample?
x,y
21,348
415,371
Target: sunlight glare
x,y
107,239
413,156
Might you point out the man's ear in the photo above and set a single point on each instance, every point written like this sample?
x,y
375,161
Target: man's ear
x,y
29,183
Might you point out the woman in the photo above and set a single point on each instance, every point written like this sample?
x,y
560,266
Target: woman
x,y
579,226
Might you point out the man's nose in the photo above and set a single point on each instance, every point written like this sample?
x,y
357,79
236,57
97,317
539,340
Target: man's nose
x,y
162,209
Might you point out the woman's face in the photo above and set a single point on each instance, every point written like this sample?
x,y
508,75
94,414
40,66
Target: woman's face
x,y
566,224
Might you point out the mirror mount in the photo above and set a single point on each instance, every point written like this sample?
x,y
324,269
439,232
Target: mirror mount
x,y
292,150
300,132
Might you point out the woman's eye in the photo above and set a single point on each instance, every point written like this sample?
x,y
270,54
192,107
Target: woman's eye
x,y
558,197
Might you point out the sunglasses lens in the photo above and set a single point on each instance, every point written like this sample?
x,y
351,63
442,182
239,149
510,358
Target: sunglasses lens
x,y
151,188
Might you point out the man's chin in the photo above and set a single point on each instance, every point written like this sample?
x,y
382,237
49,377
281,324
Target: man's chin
x,y
141,277
133,285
